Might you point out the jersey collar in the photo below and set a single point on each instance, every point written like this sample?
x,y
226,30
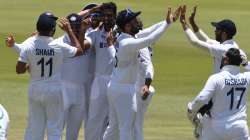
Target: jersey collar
x,y
45,38
231,68
230,41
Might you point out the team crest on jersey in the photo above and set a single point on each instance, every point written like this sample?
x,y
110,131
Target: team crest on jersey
x,y
103,45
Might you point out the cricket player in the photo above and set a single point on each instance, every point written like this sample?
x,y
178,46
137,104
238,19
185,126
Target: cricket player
x,y
4,122
87,12
104,57
143,82
224,33
143,87
225,30
75,79
228,92
121,91
45,58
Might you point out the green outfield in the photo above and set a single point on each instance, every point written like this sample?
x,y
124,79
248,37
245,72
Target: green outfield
x,y
180,69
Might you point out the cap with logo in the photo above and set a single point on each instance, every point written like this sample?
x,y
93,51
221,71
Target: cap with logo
x,y
46,22
125,16
227,25
74,19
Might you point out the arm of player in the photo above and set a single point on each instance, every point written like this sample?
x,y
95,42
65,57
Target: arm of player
x,y
133,44
10,42
146,70
85,45
111,40
147,31
190,34
22,62
65,26
204,96
199,33
146,65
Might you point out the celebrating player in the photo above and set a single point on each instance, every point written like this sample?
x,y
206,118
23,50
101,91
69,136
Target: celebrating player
x,y
104,55
228,92
224,33
121,92
74,79
45,58
144,79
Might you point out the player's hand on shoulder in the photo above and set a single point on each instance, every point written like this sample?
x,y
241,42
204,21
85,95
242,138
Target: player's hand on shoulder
x,y
64,24
10,41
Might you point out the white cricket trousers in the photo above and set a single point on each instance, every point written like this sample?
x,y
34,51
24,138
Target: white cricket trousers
x,y
97,121
142,106
75,108
224,130
45,111
123,107
4,122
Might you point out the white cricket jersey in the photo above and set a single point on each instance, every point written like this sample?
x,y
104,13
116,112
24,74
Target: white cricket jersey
x,y
228,91
45,57
104,54
216,49
127,54
74,70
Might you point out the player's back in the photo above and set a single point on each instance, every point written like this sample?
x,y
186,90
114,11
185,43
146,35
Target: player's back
x,y
44,59
229,100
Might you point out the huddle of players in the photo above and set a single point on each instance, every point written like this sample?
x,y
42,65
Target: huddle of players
x,y
92,75
70,75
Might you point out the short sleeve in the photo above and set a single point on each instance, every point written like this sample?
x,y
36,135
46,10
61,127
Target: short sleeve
x,y
23,57
68,51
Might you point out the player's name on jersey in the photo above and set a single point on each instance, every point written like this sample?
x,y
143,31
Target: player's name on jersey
x,y
46,52
234,81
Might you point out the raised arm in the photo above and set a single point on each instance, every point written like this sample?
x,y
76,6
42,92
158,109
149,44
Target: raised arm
x,y
194,40
145,32
139,43
10,42
199,33
65,26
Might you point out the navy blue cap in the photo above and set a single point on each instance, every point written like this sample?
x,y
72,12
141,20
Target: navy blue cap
x,y
226,25
125,16
96,14
89,6
74,19
46,22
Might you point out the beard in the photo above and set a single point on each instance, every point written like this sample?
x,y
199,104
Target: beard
x,y
109,24
218,37
135,29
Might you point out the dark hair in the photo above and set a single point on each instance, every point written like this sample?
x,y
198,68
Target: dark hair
x,y
110,5
234,56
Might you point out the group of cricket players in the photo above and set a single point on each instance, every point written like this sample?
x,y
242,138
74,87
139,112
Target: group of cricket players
x,y
99,73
